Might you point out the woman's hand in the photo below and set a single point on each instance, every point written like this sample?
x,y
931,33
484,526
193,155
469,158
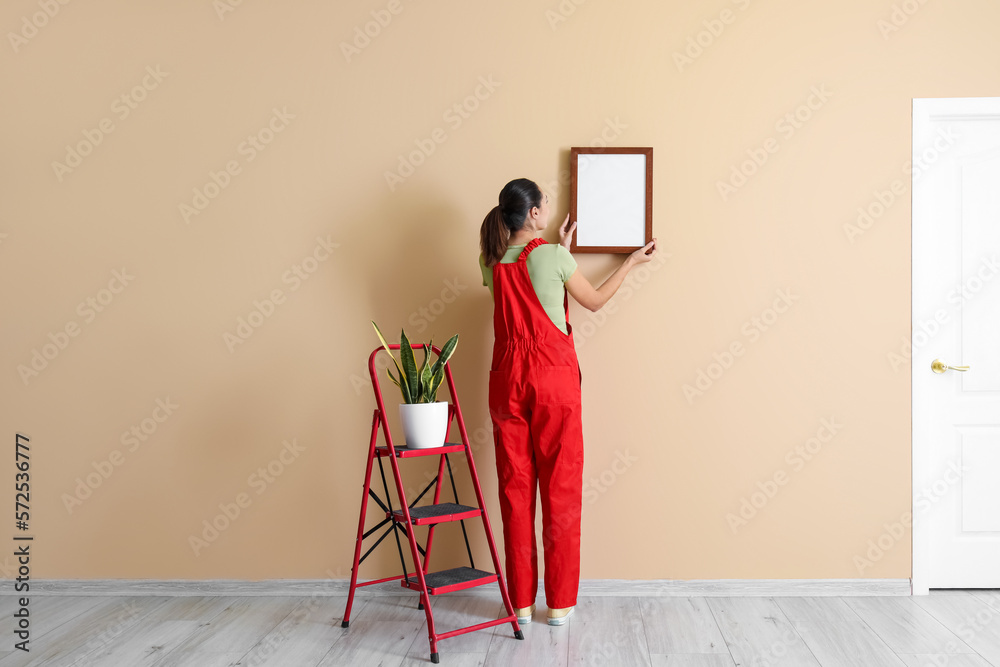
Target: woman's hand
x,y
566,235
640,256
594,299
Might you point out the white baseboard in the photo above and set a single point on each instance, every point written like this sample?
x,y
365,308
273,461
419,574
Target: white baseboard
x,y
588,587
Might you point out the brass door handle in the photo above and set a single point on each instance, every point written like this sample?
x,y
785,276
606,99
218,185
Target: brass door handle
x,y
939,366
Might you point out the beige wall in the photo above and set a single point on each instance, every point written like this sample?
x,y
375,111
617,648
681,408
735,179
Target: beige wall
x,y
682,465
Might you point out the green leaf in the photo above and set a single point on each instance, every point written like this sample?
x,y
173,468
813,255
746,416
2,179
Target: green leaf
x,y
435,383
398,369
437,371
410,366
386,346
425,373
402,387
446,352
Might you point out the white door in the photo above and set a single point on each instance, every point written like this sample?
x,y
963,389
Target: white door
x,y
956,321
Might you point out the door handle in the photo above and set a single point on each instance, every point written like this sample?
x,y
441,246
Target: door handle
x,y
939,366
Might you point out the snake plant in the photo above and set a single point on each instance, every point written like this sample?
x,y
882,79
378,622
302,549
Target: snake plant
x,y
418,385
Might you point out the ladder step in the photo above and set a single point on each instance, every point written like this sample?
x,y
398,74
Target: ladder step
x,y
454,579
405,452
429,514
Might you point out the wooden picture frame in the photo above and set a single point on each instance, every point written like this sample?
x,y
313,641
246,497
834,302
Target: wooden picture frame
x,y
611,198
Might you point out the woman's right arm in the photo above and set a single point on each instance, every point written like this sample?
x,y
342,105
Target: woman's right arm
x,y
594,299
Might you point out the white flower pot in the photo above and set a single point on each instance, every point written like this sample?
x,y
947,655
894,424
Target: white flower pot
x,y
425,425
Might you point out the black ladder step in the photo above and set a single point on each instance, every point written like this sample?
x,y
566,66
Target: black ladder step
x,y
454,579
430,514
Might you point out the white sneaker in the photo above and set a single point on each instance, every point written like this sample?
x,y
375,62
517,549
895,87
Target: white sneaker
x,y
559,616
527,612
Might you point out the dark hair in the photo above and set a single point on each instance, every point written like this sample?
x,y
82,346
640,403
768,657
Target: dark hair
x,y
516,199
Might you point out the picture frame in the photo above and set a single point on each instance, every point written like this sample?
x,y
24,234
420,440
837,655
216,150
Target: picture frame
x,y
611,199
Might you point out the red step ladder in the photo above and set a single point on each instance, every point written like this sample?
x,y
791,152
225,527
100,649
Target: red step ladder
x,y
408,516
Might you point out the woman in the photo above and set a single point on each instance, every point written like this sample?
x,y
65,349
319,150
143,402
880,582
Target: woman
x,y
534,391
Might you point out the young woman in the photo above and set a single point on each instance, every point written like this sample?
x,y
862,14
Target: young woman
x,y
534,391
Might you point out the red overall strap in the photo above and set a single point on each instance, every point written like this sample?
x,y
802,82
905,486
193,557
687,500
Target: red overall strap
x,y
532,244
523,257
520,320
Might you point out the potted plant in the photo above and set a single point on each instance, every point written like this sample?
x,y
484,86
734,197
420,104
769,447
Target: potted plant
x,y
424,419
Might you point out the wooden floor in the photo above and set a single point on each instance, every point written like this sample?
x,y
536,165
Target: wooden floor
x,y
946,628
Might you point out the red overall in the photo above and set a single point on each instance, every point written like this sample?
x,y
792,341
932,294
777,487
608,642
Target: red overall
x,y
534,400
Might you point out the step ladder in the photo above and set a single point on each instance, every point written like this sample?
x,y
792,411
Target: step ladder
x,y
407,517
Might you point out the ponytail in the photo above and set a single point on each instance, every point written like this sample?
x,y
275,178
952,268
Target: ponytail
x,y
507,217
493,236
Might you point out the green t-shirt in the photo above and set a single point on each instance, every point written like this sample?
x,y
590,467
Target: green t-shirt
x,y
549,266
